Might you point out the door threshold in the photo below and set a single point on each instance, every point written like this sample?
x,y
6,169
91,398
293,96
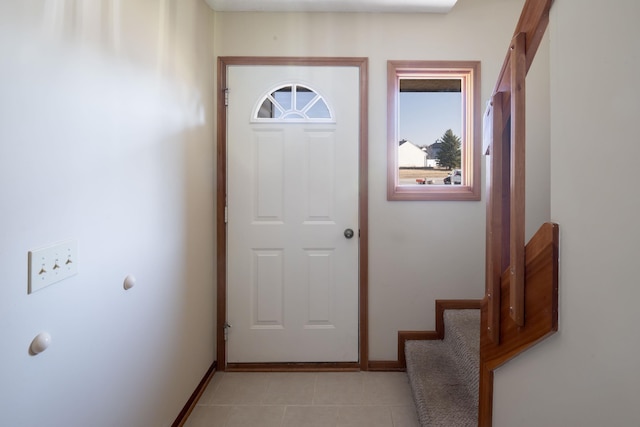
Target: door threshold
x,y
294,367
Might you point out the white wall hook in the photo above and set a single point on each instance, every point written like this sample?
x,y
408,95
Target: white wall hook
x,y
129,282
40,343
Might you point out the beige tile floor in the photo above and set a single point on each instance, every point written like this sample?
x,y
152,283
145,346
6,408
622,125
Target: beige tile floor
x,y
301,399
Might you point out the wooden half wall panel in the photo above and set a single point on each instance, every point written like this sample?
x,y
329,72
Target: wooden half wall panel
x,y
541,314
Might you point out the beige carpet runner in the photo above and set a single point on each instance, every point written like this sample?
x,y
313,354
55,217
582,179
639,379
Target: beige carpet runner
x,y
444,374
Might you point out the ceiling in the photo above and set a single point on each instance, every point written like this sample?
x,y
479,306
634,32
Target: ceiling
x,y
397,6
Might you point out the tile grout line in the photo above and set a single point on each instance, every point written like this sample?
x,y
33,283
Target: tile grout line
x,y
315,388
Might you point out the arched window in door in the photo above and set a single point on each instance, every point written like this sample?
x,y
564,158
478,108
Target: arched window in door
x,y
293,103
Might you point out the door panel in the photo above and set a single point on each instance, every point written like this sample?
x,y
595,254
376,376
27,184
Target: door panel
x,y
292,281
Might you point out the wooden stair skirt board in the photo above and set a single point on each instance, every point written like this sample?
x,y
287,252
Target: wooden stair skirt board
x,y
540,314
438,334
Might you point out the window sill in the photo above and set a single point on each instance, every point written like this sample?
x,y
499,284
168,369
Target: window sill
x,y
433,193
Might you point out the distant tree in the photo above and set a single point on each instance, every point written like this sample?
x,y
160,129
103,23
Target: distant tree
x,y
449,154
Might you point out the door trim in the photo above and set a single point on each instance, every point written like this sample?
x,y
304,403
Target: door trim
x,y
363,214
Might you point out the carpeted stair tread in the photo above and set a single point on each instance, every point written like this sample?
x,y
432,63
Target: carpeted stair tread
x,y
444,374
462,333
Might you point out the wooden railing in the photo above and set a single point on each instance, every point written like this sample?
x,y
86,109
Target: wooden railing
x,y
520,307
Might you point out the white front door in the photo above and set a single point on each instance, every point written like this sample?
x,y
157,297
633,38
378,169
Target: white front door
x,y
292,275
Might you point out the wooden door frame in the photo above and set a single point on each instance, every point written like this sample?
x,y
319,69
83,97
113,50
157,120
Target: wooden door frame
x,y
363,214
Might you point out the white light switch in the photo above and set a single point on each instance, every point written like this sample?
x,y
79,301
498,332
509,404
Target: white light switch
x,y
52,264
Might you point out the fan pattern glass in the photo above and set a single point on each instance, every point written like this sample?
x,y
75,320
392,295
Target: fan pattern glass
x,y
293,102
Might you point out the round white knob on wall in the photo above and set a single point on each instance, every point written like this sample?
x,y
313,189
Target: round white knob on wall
x,y
129,282
40,343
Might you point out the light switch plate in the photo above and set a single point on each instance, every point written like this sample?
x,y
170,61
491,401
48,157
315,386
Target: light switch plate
x,y
51,264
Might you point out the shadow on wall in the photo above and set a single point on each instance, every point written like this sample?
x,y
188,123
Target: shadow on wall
x,y
106,137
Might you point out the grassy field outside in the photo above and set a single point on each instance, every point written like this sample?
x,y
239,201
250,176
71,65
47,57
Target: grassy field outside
x,y
408,176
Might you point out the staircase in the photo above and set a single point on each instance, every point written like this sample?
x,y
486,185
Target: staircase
x,y
451,370
444,373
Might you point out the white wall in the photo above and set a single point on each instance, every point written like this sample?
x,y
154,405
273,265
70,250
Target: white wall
x,y
106,136
419,251
537,179
587,374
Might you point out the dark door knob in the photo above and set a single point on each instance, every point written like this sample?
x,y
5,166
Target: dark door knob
x,y
348,233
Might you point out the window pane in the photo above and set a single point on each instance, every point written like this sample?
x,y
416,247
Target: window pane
x,y
294,103
429,115
303,97
283,97
319,110
268,110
